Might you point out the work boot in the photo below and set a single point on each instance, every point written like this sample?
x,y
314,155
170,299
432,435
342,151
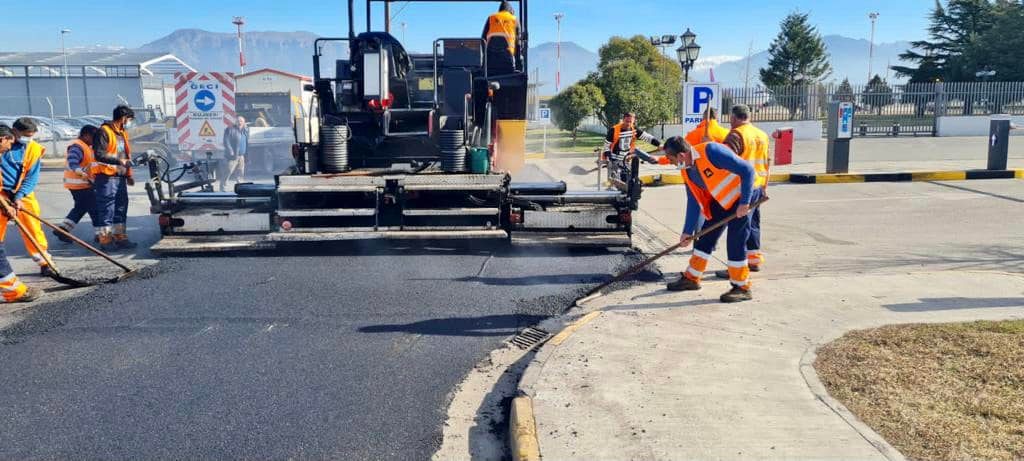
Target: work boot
x,y
683,284
121,242
31,294
106,242
60,236
735,295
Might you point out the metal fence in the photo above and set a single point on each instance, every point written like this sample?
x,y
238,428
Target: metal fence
x,y
882,110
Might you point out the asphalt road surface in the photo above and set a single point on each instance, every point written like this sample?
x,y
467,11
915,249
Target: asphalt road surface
x,y
350,355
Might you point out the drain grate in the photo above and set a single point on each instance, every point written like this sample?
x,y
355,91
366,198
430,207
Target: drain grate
x,y
530,337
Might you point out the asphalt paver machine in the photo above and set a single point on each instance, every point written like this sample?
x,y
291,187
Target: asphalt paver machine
x,y
406,146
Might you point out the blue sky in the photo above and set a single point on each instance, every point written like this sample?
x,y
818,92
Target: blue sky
x,y
723,28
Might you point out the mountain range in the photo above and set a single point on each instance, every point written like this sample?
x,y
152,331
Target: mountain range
x,y
292,51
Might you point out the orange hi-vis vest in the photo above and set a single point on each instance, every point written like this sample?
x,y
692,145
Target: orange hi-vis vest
x,y
503,24
33,154
112,137
721,185
618,130
81,178
716,132
755,151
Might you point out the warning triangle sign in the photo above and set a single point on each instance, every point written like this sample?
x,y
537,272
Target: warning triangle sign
x,y
207,130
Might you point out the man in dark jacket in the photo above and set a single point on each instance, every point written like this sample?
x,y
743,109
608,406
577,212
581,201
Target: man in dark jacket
x,y
236,139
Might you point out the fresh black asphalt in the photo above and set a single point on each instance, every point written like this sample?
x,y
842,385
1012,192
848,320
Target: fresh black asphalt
x,y
351,354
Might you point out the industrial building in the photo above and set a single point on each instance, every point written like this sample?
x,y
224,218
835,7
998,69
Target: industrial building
x,y
83,83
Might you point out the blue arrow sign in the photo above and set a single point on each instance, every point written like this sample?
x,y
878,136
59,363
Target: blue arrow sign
x,y
205,100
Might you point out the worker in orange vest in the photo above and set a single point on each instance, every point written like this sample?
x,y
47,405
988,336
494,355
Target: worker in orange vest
x,y
719,185
620,144
709,129
12,290
112,174
78,180
20,167
751,144
501,32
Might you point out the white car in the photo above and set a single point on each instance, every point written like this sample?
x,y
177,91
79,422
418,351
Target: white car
x,y
44,133
59,127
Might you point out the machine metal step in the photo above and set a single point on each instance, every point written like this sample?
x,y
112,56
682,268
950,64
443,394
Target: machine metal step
x,y
177,244
387,235
452,212
572,239
326,212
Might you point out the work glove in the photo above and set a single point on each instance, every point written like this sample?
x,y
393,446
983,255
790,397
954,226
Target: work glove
x,y
656,142
7,207
651,160
122,170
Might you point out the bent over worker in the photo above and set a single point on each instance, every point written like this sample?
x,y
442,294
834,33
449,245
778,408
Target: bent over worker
x,y
620,143
719,185
12,290
752,145
501,31
112,176
20,168
78,177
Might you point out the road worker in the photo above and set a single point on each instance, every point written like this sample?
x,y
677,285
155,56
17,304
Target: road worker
x,y
78,176
20,168
501,31
709,129
752,145
719,185
12,290
620,144
112,175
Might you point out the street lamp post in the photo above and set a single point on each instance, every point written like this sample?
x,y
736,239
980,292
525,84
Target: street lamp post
x,y
687,53
871,45
67,83
558,52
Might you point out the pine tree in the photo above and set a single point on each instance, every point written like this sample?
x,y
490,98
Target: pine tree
x,y
878,94
945,55
845,91
798,58
798,54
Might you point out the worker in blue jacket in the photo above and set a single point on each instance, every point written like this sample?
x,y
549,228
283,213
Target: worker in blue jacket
x,y
719,185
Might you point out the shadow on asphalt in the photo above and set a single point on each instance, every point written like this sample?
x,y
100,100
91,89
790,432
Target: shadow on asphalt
x,y
488,325
945,304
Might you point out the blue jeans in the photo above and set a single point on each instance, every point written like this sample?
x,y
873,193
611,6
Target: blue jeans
x,y
85,203
111,200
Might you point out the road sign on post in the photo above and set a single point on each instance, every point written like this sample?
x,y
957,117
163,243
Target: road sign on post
x,y
544,115
696,99
205,108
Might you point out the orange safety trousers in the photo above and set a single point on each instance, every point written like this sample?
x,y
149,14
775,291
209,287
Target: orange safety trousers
x,y
33,226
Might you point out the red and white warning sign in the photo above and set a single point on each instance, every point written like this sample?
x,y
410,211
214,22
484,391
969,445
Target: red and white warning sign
x,y
205,103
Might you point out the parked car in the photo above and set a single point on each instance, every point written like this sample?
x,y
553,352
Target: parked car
x,y
59,127
44,133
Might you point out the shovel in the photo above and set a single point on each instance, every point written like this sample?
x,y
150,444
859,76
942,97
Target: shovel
x,y
595,292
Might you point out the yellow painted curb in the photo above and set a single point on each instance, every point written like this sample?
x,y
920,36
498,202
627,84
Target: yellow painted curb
x,y
939,176
778,177
536,156
1019,174
525,446
569,330
838,178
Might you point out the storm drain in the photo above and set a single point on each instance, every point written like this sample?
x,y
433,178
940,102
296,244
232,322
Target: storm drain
x,y
530,337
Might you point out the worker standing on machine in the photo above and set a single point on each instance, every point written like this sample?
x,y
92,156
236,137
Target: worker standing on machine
x,y
719,185
12,290
752,145
501,32
113,175
78,180
620,144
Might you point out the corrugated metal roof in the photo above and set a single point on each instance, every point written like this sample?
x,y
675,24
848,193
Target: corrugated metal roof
x,y
157,63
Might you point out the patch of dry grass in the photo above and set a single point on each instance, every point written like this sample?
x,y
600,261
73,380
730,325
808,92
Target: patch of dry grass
x,y
935,392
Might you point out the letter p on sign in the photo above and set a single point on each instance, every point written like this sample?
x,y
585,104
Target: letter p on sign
x,y
698,96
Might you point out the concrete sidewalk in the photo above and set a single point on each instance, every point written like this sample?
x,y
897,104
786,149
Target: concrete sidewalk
x,y
660,375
